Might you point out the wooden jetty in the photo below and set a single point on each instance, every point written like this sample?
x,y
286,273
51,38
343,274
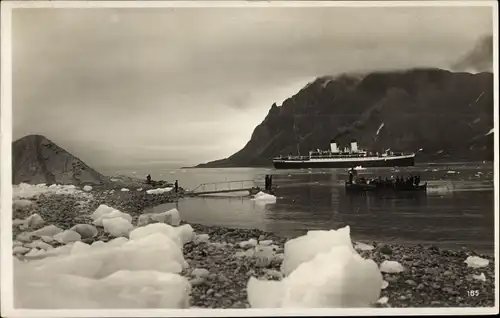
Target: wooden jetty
x,y
225,187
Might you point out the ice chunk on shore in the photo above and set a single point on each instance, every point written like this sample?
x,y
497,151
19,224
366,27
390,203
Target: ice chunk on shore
x,y
117,226
20,250
34,252
476,262
200,272
27,191
144,219
337,278
385,284
363,247
153,252
87,188
480,277
159,190
80,248
264,255
383,300
17,222
201,238
264,293
266,242
47,239
248,244
305,248
136,273
67,236
391,267
39,244
101,210
185,233
22,203
264,198
149,289
111,215
24,237
34,221
85,230
49,230
119,241
171,217
124,190
151,229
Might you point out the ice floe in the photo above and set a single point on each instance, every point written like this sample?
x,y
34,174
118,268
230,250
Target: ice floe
x,y
264,198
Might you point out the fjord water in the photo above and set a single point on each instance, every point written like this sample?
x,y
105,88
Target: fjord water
x,y
458,209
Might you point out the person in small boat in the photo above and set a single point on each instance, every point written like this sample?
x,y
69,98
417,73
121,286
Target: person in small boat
x,y
176,186
267,182
417,180
148,179
351,176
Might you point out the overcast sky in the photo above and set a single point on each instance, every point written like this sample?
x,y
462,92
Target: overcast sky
x,y
125,87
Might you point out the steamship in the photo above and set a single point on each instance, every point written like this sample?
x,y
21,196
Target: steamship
x,y
348,157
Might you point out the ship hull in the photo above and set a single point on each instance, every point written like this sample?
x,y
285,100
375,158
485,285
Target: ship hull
x,y
403,161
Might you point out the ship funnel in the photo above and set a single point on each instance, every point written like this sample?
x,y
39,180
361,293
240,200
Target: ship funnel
x,y
333,147
354,146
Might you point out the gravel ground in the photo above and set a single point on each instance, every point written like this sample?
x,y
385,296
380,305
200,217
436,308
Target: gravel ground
x,y
432,278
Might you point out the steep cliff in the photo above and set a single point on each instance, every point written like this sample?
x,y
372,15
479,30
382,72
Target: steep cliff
x,y
445,114
36,159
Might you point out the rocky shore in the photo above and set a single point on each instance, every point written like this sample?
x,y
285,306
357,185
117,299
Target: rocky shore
x,y
220,267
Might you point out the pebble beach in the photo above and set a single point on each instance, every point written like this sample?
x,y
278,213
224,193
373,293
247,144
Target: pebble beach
x,y
220,267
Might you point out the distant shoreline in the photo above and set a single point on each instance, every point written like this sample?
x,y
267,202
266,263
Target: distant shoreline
x,y
437,162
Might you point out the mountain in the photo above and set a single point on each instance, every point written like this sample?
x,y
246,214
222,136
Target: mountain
x,y
36,159
479,58
446,114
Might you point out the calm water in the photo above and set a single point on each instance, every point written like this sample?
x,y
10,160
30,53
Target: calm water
x,y
458,209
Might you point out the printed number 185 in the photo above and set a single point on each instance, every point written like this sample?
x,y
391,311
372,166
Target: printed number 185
x,y
473,293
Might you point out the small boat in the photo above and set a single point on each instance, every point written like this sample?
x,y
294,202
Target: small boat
x,y
363,187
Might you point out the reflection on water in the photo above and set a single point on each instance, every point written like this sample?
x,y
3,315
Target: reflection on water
x,y
457,210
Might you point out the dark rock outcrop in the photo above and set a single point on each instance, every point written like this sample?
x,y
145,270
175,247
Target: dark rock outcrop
x,y
445,114
36,159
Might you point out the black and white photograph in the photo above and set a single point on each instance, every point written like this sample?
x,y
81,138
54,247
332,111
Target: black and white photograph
x,y
249,158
